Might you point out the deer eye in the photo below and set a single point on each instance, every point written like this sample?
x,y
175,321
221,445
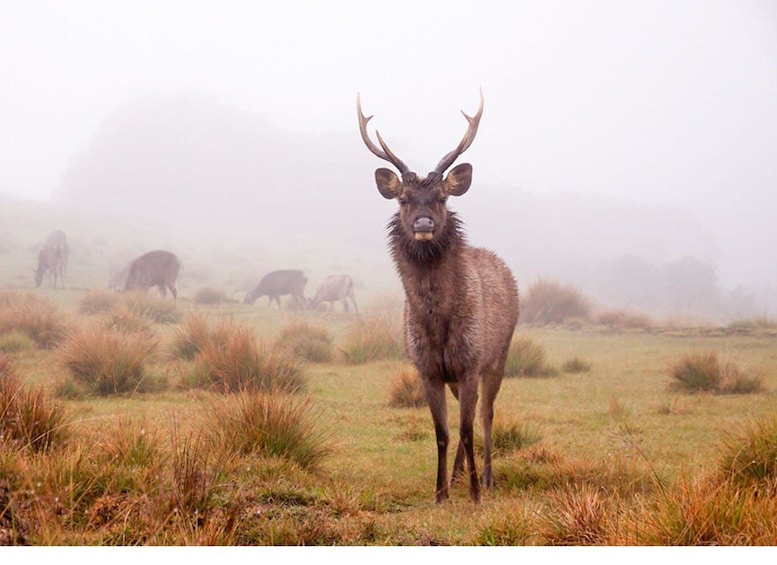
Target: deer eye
x,y
402,201
442,199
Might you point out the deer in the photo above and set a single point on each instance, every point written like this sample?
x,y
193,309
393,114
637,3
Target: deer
x,y
332,289
461,302
157,268
52,258
280,283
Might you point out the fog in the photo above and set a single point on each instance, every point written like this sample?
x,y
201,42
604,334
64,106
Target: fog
x,y
621,143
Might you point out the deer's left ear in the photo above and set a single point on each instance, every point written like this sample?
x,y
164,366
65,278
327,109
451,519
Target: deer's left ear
x,y
458,180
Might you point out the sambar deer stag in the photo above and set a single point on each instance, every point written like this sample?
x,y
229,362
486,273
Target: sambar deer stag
x,y
461,302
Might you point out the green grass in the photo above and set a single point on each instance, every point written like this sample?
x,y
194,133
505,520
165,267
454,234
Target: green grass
x,y
613,456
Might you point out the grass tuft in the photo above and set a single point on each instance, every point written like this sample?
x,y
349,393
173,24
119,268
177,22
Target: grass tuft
x,y
28,418
156,308
703,372
98,302
750,456
240,363
273,424
208,295
35,317
107,362
550,302
576,365
306,342
527,359
406,390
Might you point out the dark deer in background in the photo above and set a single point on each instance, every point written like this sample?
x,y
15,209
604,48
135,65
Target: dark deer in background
x,y
277,284
335,288
156,268
52,259
461,302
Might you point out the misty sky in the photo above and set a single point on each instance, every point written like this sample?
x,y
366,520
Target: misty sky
x,y
657,102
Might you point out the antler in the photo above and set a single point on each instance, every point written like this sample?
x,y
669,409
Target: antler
x,y
386,153
469,137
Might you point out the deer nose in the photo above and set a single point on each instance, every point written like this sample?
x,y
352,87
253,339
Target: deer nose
x,y
423,224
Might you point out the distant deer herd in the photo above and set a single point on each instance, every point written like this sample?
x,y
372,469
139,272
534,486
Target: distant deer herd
x,y
160,268
461,302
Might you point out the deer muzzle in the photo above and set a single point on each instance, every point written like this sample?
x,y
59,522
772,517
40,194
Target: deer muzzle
x,y
423,228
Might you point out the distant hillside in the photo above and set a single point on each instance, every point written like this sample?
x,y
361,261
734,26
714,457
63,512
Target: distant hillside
x,y
217,177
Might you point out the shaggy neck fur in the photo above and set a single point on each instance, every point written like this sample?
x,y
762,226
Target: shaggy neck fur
x,y
424,253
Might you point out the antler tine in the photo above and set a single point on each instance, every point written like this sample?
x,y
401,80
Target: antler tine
x,y
469,137
386,154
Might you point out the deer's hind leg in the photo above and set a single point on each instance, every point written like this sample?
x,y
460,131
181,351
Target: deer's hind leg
x,y
492,381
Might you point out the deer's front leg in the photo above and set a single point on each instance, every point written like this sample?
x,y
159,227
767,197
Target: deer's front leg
x,y
434,390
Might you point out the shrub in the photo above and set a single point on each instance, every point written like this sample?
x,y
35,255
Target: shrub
x,y
526,359
30,315
406,390
240,363
306,342
28,419
703,372
107,362
550,302
271,424
98,302
209,295
372,337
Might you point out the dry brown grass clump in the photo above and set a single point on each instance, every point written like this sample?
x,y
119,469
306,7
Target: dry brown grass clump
x,y
550,302
241,363
32,316
527,359
28,418
272,424
109,362
195,332
621,319
406,390
306,342
98,302
704,372
158,309
209,295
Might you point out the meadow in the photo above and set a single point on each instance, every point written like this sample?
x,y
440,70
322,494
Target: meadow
x,y
134,420
603,453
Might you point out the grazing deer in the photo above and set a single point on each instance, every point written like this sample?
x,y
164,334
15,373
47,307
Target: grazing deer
x,y
335,288
277,284
52,258
156,268
461,302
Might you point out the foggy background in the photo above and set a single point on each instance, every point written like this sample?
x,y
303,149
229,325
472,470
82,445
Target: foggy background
x,y
626,148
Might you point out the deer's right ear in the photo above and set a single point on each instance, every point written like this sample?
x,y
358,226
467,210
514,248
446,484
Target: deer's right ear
x,y
388,183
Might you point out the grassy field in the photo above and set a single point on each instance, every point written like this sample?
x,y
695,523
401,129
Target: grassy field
x,y
609,455
131,420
